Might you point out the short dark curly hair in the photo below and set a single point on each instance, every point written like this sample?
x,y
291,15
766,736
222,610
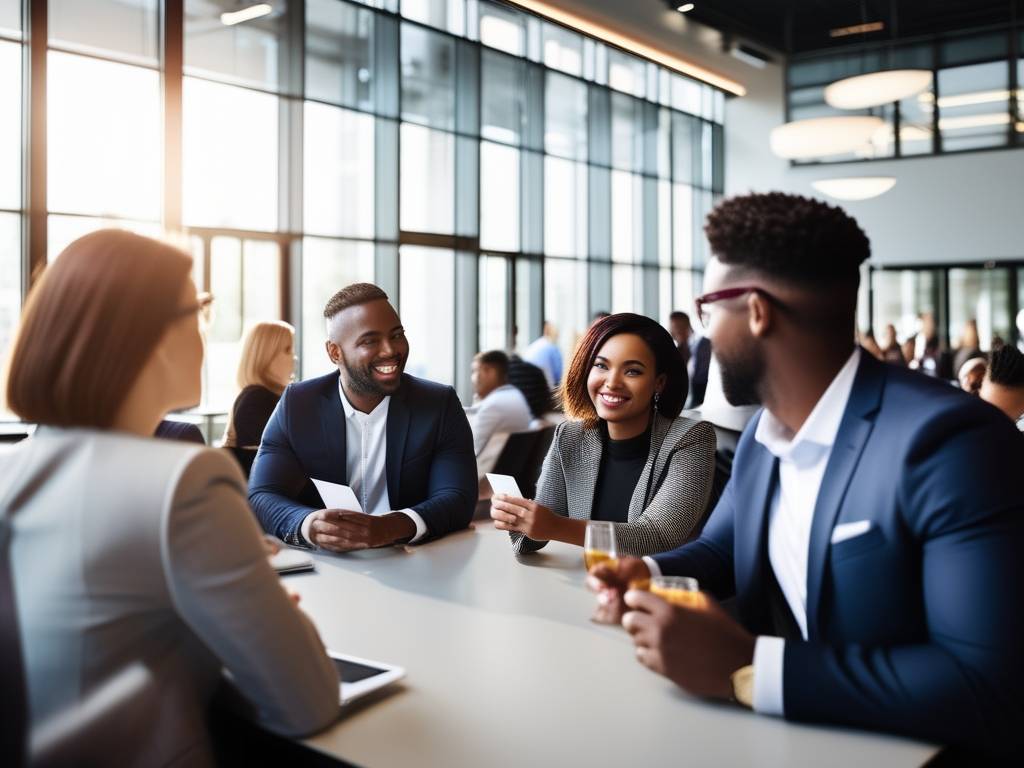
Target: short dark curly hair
x,y
575,398
791,237
351,295
1007,367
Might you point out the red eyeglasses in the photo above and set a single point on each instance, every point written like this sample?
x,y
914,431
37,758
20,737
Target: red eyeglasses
x,y
701,302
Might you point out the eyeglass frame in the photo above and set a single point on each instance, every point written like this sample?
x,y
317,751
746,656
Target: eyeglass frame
x,y
724,294
204,300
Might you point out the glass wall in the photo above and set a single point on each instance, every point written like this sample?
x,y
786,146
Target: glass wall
x,y
104,142
10,171
487,168
989,297
967,105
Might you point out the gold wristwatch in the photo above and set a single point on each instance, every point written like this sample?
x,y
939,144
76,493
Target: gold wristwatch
x,y
743,685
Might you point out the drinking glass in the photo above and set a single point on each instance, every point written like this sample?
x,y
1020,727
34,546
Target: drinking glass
x,y
678,590
599,544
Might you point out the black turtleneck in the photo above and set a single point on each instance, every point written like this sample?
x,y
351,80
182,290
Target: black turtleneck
x,y
622,463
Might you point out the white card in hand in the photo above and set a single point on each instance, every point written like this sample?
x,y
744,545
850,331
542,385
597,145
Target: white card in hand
x,y
505,484
337,496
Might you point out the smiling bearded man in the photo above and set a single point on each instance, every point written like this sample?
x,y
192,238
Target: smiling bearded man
x,y
402,444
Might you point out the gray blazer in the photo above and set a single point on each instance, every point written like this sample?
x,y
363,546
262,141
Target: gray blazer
x,y
669,499
129,551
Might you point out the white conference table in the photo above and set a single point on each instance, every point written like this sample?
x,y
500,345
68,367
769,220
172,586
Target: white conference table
x,y
505,668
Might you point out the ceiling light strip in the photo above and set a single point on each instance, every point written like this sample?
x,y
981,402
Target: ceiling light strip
x,y
246,14
607,35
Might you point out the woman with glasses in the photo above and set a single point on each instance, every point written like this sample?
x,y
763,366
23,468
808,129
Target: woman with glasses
x,y
266,368
626,456
138,569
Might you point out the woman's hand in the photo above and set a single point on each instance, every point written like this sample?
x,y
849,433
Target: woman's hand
x,y
523,516
271,544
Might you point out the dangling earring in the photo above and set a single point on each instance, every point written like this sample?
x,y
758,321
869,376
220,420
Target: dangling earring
x,y
657,397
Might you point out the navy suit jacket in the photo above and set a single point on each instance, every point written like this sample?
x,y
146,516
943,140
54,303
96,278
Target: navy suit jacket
x,y
430,463
916,626
701,368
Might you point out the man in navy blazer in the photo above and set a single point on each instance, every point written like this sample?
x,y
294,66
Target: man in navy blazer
x,y
872,532
402,444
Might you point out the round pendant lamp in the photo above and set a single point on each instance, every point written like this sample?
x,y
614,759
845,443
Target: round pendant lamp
x,y
854,188
823,136
877,88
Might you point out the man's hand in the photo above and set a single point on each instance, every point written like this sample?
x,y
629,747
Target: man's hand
x,y
611,581
340,530
696,648
534,520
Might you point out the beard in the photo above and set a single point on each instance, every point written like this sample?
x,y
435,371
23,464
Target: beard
x,y
362,381
742,376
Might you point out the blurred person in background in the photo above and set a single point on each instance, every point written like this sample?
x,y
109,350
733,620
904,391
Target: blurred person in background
x,y
891,351
545,354
267,366
1003,385
970,346
971,374
695,351
499,406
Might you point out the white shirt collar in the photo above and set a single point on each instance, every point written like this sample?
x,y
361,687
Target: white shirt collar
x,y
822,425
380,412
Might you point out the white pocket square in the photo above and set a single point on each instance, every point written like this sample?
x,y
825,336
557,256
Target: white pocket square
x,y
845,531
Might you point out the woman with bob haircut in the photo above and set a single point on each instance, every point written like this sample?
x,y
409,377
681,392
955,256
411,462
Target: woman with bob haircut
x,y
626,455
129,553
266,368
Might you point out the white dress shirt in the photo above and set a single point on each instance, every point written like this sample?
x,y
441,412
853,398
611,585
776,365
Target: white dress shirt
x,y
803,458
366,448
503,410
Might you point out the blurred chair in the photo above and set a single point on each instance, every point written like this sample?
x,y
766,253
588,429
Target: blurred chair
x,y
725,441
531,472
245,457
89,731
14,722
521,456
515,457
179,430
489,456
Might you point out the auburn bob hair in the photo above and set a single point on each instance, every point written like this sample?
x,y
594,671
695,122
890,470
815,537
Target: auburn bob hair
x,y
90,325
576,400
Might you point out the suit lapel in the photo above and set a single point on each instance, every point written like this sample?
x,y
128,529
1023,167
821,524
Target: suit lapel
x,y
757,486
588,468
332,422
397,431
854,430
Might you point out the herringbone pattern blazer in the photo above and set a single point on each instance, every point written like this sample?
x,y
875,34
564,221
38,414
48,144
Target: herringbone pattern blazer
x,y
669,499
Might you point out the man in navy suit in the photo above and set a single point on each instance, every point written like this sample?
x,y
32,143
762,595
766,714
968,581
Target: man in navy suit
x,y
402,444
872,533
696,354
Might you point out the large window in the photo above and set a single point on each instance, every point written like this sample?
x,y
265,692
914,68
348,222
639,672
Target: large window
x,y
327,266
104,142
989,298
230,156
966,105
428,310
489,169
10,172
104,154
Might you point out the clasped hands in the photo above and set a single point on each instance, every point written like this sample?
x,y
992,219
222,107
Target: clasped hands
x,y
340,530
696,648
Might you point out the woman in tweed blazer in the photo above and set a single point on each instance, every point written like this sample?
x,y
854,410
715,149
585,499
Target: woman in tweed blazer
x,y
626,455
